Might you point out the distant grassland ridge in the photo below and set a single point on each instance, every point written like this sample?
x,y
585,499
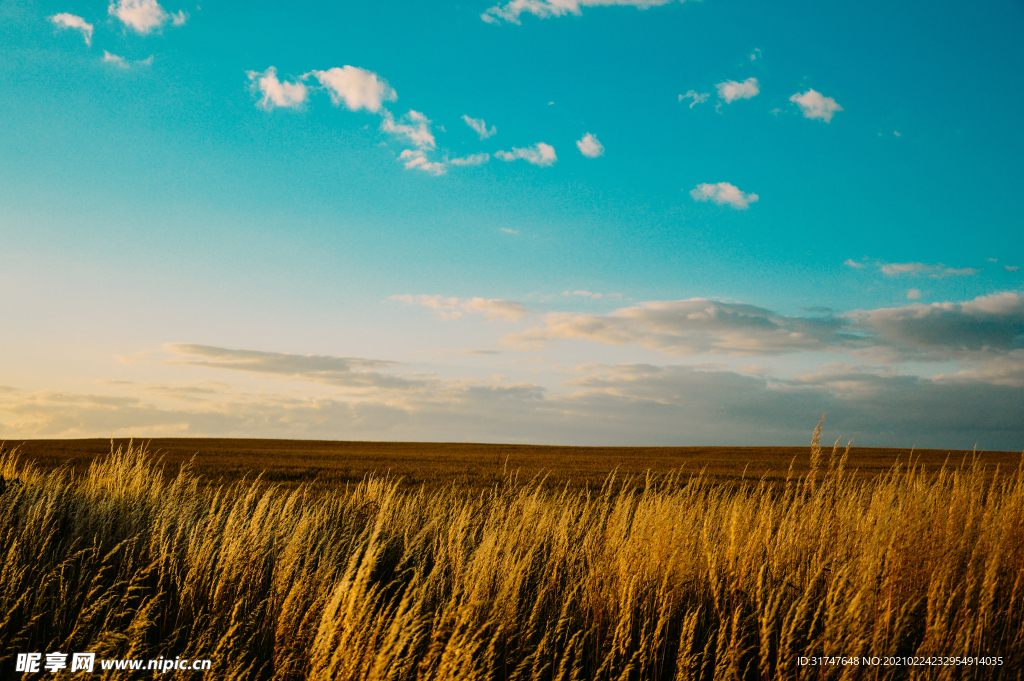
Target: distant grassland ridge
x,y
655,577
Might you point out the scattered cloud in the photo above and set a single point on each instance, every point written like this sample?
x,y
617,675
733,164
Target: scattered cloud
x,y
755,55
697,97
416,159
544,9
115,60
480,127
539,154
142,16
1011,268
356,87
731,90
938,271
896,133
509,231
723,193
815,105
276,93
65,20
471,160
914,293
414,126
453,308
854,264
589,146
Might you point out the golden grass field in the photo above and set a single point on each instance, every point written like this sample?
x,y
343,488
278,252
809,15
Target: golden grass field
x,y
478,574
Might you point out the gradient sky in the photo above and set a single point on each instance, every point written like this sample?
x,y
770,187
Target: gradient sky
x,y
544,221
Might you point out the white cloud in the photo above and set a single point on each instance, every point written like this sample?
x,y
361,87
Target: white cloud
x,y
471,160
855,265
756,54
358,88
590,147
815,105
453,308
416,128
539,154
416,159
65,20
723,193
480,126
179,18
698,97
543,9
914,293
142,16
1011,268
732,90
114,59
938,271
276,93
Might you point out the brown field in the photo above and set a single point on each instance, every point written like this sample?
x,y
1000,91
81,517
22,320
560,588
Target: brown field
x,y
333,463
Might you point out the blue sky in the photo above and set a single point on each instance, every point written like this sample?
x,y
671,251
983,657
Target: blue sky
x,y
555,222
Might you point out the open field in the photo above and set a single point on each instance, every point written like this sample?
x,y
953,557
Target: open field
x,y
678,578
332,463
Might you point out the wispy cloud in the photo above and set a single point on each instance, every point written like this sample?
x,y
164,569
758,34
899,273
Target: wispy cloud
x,y
337,371
589,146
416,159
849,262
356,87
697,97
480,127
914,294
937,271
539,154
122,63
590,294
544,9
65,20
723,193
115,60
815,105
454,308
275,92
179,18
687,327
731,90
471,160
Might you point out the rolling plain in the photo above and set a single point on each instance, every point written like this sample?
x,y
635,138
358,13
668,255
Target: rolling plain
x,y
329,463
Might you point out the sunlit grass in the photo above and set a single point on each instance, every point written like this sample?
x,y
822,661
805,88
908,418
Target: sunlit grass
x,y
669,577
